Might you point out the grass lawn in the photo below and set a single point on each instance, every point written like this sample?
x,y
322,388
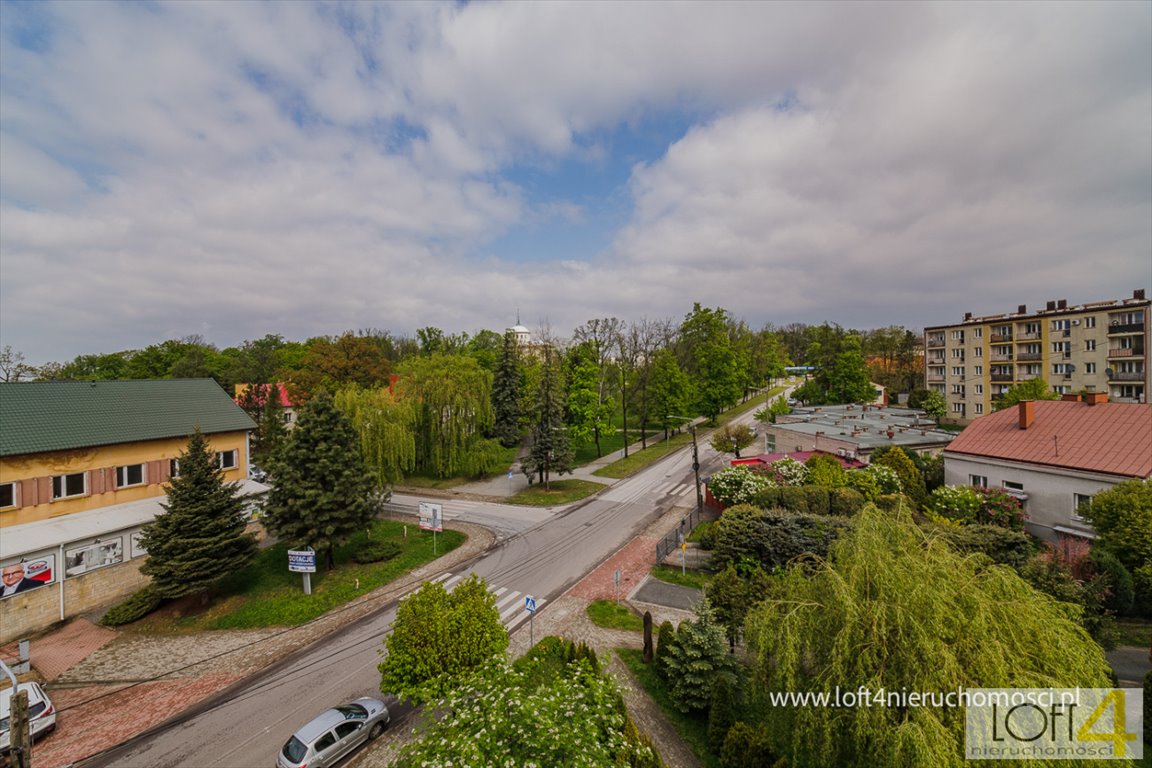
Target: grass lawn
x,y
1136,632
610,441
671,575
266,594
613,615
561,492
692,728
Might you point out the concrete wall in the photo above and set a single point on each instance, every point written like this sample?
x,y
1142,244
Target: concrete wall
x,y
30,612
1050,490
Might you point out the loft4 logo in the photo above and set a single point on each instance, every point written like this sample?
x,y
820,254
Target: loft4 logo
x,y
1054,723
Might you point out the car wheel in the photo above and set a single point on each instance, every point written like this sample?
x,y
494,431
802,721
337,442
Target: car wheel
x,y
377,729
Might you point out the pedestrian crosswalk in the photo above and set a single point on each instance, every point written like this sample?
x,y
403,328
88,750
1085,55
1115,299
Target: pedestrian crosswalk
x,y
509,602
673,489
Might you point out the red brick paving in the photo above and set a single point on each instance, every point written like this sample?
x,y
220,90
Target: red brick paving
x,y
69,645
634,561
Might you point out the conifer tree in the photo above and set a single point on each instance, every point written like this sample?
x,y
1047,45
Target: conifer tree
x,y
551,451
697,659
321,491
506,393
199,538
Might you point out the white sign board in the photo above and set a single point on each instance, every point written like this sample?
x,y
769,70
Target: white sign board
x,y
302,561
431,516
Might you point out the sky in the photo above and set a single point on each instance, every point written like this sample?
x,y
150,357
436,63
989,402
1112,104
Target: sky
x,y
231,170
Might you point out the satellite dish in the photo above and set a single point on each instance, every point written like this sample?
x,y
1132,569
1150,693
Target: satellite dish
x,y
1071,367
1108,372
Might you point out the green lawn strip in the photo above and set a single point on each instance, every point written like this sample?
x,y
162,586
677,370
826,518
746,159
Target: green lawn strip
x,y
610,441
1133,632
612,615
699,531
266,594
561,492
692,728
642,459
673,575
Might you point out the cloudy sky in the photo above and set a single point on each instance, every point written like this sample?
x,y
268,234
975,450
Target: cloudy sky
x,y
238,169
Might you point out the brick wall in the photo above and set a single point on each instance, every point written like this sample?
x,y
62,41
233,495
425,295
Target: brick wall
x,y
30,612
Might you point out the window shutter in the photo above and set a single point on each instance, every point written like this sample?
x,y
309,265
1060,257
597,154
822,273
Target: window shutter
x,y
27,495
43,490
98,483
154,472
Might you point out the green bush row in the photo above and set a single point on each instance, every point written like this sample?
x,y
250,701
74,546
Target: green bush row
x,y
136,607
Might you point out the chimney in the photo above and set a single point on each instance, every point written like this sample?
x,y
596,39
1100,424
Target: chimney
x,y
1092,398
967,316
1051,306
1070,397
1022,309
1138,293
1062,304
1027,413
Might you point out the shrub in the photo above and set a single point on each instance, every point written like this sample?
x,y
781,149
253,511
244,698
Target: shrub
x,y
722,714
887,481
134,608
376,551
1121,592
998,507
747,747
911,481
774,538
665,639
844,502
788,471
737,485
825,471
889,502
1011,548
816,499
955,503
864,482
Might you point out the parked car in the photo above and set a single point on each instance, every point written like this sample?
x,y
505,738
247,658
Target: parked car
x,y
41,713
334,734
257,474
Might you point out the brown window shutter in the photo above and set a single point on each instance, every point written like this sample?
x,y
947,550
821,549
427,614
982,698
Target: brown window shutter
x,y
154,471
26,496
43,490
96,481
163,473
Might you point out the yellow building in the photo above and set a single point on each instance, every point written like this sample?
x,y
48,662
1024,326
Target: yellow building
x,y
83,467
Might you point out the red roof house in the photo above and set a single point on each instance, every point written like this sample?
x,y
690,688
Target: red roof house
x,y
1055,455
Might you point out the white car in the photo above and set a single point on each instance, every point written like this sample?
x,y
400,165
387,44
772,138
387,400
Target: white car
x,y
41,713
334,734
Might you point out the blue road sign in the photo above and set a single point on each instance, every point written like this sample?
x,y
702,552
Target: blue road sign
x,y
530,604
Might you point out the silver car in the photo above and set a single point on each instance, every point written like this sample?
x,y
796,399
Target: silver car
x,y
41,713
334,734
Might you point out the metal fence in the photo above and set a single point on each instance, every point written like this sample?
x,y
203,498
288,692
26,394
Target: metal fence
x,y
672,541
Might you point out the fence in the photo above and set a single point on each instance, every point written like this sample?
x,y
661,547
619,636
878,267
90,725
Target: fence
x,y
671,542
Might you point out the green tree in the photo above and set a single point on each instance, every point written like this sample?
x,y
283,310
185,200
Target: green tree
x,y
270,430
199,538
669,390
332,363
697,659
1122,518
321,492
588,413
932,403
452,400
439,637
711,361
778,407
911,481
895,609
732,438
507,392
385,426
721,713
826,471
733,596
550,452
1033,389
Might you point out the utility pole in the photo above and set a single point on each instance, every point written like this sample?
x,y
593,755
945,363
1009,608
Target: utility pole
x,y
695,461
20,747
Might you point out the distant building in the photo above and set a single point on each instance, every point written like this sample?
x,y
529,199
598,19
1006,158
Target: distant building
x,y
83,466
1055,455
1097,347
854,431
283,399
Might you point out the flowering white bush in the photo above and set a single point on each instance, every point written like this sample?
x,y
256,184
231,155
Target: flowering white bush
x,y
886,478
958,503
788,471
737,485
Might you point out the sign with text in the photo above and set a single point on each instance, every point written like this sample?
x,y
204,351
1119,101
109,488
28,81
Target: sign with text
x,y
302,561
431,516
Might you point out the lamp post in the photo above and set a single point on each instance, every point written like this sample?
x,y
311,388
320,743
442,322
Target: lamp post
x,y
695,461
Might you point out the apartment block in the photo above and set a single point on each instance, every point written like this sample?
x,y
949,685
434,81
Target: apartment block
x,y
1101,346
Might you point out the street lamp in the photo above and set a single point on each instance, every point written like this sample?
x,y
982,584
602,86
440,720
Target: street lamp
x,y
695,460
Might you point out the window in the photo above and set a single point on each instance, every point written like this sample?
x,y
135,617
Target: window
x,y
132,474
324,742
1089,322
1080,502
979,408
957,370
1010,486
978,333
958,408
979,370
226,459
7,495
288,416
347,729
978,388
979,352
980,481
958,354
957,335
66,486
1090,345
174,467
771,444
1089,367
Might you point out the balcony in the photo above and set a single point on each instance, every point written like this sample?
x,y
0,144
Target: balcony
x,y
1119,328
1002,377
935,341
1127,376
1001,358
1028,337
1000,338
1117,352
1029,355
935,377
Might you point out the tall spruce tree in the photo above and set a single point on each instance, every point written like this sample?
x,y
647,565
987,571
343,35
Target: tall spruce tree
x,y
551,451
506,383
199,538
321,491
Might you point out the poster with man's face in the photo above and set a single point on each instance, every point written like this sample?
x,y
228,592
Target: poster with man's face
x,y
16,578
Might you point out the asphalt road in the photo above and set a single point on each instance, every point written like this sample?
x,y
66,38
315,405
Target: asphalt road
x,y
540,552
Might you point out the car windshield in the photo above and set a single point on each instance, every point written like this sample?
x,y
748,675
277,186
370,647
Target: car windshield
x,y
295,750
353,712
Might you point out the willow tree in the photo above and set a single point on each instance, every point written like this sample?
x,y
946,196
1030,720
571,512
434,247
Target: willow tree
x,y
895,609
451,398
385,427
